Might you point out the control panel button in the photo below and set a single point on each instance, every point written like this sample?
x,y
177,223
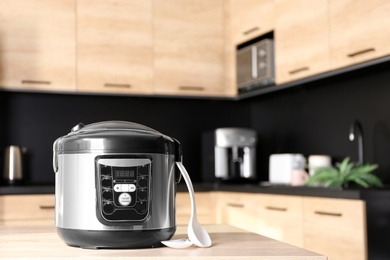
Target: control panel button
x,y
107,195
143,183
107,183
142,194
106,170
124,199
143,170
124,187
108,208
141,207
132,187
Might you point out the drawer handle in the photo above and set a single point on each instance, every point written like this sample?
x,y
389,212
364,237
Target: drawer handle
x,y
291,72
351,55
324,213
251,30
275,208
235,205
113,85
46,207
40,82
196,88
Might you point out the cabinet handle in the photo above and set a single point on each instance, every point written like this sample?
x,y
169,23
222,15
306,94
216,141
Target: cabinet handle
x,y
113,85
351,55
235,205
45,207
328,213
251,30
196,88
291,72
40,82
275,208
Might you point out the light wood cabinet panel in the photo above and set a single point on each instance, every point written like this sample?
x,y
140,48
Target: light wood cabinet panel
x,y
189,47
205,206
335,227
114,40
37,44
360,31
27,209
275,216
250,19
301,39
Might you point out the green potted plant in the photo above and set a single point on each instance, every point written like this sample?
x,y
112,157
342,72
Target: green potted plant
x,y
344,174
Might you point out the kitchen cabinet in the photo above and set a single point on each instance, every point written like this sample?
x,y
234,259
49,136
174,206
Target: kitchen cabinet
x,y
205,207
189,47
115,46
250,19
335,227
27,209
301,39
359,31
276,216
37,45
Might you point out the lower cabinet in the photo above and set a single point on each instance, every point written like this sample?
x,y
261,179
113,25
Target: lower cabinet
x,y
27,209
204,205
335,227
332,227
275,216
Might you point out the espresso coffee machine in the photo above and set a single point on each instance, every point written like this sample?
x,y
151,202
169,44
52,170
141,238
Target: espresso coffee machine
x,y
235,154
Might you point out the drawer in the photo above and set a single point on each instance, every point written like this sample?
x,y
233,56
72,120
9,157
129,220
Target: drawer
x,y
341,220
26,208
280,217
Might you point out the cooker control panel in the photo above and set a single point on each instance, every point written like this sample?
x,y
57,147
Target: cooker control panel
x,y
123,188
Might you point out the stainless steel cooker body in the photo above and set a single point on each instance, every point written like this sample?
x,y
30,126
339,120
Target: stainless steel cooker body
x,y
115,186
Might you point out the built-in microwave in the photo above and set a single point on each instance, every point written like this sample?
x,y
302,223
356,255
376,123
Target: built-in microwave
x,y
255,66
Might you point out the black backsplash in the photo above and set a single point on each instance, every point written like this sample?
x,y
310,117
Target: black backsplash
x,y
311,119
315,118
35,120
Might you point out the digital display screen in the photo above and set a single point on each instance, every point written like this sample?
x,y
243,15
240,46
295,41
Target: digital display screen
x,y
124,173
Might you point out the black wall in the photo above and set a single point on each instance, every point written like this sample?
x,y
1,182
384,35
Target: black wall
x,y
311,119
35,120
315,118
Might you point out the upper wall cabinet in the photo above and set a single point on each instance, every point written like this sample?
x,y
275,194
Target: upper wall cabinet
x,y
114,41
189,47
301,39
37,44
250,18
360,31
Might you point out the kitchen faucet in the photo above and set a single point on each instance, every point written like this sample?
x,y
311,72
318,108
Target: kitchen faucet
x,y
357,130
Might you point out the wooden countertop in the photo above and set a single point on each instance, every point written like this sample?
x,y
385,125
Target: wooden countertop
x,y
42,242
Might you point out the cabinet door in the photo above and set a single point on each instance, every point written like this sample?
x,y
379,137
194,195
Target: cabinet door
x,y
275,216
281,218
250,18
301,39
114,46
37,44
189,47
335,228
360,31
204,205
26,209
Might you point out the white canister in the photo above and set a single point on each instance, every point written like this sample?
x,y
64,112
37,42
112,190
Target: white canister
x,y
318,161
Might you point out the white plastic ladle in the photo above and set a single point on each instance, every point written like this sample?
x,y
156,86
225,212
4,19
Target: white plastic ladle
x,y
197,235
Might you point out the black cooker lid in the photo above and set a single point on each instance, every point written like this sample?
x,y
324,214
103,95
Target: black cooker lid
x,y
116,137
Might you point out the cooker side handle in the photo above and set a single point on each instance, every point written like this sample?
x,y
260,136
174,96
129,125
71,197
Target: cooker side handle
x,y
178,158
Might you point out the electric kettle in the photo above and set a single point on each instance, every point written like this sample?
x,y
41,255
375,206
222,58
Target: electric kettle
x,y
13,164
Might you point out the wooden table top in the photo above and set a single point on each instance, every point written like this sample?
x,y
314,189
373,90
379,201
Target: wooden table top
x,y
42,242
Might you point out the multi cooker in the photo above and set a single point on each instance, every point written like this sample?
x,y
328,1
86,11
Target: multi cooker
x,y
115,185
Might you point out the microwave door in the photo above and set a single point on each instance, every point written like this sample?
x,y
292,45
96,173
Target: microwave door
x,y
246,65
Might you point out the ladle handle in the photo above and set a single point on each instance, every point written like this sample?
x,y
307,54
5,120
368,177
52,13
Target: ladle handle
x,y
190,188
